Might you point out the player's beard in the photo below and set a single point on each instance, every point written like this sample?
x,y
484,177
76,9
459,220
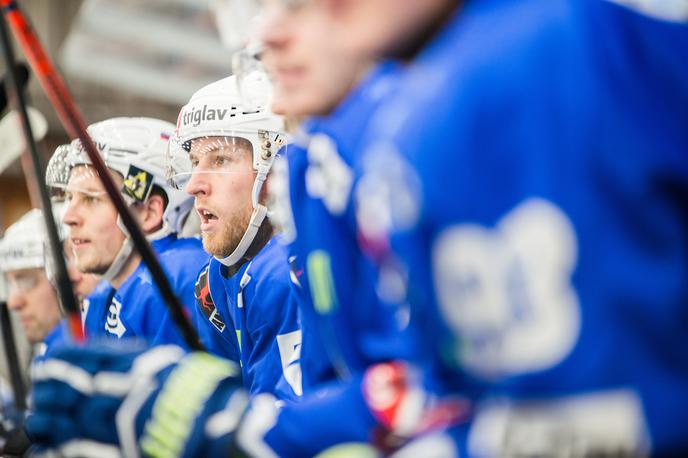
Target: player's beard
x,y
91,263
223,242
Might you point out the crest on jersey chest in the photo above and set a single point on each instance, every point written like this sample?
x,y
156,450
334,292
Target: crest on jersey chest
x,y
205,302
113,322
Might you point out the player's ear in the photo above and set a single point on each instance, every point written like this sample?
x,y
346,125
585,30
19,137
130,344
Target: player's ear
x,y
151,214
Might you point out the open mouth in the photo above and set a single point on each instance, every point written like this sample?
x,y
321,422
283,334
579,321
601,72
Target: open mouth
x,y
79,243
25,321
207,217
289,76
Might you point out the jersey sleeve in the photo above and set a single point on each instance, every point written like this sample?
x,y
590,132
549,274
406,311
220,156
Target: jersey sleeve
x,y
315,424
273,361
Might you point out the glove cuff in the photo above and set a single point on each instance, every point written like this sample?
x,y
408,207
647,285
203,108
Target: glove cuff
x,y
181,401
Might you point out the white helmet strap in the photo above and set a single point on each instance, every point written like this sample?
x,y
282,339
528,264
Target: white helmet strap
x,y
123,256
127,248
261,176
257,217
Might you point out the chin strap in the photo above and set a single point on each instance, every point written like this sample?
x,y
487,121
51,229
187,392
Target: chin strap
x,y
257,217
254,224
123,256
261,176
127,249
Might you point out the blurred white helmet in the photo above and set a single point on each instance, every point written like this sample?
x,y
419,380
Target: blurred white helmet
x,y
24,243
220,115
235,20
136,149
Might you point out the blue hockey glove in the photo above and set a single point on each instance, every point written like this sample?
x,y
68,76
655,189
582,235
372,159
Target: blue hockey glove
x,y
114,401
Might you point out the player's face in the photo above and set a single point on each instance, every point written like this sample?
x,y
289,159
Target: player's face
x,y
310,76
375,28
33,298
82,284
221,183
92,219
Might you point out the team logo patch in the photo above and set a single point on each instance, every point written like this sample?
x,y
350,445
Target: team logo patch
x,y
205,302
113,323
137,184
507,291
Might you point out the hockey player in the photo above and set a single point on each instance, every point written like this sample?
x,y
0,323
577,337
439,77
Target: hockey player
x,y
83,285
246,310
134,150
504,256
322,240
541,239
30,294
26,268
358,328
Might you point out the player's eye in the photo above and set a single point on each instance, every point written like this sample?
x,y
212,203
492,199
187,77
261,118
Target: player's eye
x,y
284,5
23,283
91,199
295,4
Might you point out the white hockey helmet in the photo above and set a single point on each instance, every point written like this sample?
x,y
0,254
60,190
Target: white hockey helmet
x,y
221,110
221,115
136,148
24,243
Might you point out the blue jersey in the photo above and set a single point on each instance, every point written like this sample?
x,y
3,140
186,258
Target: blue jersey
x,y
535,182
250,316
341,306
347,326
136,308
59,336
98,302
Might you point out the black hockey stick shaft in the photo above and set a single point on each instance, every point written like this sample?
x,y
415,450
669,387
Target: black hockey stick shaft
x,y
12,357
17,96
72,120
22,75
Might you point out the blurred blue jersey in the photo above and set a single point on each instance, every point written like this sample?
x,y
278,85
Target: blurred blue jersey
x,y
250,316
536,185
347,327
58,337
341,309
98,302
136,308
